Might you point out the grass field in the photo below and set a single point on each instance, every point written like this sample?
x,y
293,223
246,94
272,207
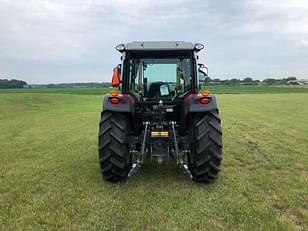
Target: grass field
x,y
50,178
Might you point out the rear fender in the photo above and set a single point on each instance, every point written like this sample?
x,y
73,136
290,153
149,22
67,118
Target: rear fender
x,y
127,104
193,103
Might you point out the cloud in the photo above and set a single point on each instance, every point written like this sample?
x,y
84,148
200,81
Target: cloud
x,y
280,16
74,40
302,44
65,30
41,30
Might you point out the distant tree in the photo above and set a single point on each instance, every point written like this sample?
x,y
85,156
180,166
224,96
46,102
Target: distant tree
x,y
13,83
234,81
291,78
51,85
248,80
4,83
270,81
224,82
216,81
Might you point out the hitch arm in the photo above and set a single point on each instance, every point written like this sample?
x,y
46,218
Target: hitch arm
x,y
136,166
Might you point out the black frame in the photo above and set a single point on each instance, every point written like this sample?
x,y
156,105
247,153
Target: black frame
x,y
158,54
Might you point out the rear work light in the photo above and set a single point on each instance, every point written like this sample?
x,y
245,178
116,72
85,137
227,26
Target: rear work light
x,y
115,100
204,100
120,47
198,47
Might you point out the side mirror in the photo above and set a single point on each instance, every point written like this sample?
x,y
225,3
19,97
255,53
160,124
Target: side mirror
x,y
203,69
203,75
116,80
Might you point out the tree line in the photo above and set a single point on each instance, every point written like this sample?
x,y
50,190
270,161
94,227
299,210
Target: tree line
x,y
69,85
13,83
249,81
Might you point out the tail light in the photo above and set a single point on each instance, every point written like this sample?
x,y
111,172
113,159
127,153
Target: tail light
x,y
204,100
115,100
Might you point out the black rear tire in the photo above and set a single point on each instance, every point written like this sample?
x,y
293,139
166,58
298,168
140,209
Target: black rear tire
x,y
114,156
206,149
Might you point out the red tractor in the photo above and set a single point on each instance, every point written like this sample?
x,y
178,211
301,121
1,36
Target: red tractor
x,y
158,114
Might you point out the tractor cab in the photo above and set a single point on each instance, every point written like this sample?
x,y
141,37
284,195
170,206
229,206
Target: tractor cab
x,y
159,70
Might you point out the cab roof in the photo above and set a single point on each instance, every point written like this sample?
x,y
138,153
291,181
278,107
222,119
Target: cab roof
x,y
159,45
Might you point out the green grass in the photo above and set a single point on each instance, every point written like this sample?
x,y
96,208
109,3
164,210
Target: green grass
x,y
50,178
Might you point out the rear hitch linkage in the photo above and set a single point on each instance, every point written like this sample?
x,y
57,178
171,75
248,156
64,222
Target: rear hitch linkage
x,y
144,151
140,160
179,160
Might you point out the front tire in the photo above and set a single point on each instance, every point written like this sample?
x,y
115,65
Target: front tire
x,y
206,148
114,156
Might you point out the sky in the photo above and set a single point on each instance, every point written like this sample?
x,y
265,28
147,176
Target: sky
x,y
56,41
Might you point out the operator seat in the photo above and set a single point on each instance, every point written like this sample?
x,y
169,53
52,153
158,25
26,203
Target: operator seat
x,y
154,89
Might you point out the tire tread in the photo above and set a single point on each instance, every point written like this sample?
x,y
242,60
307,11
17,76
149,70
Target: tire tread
x,y
206,151
114,156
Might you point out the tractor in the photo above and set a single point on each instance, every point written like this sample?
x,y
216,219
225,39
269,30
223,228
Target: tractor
x,y
159,111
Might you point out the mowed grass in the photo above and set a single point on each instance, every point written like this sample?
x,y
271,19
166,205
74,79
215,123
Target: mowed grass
x,y
50,178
